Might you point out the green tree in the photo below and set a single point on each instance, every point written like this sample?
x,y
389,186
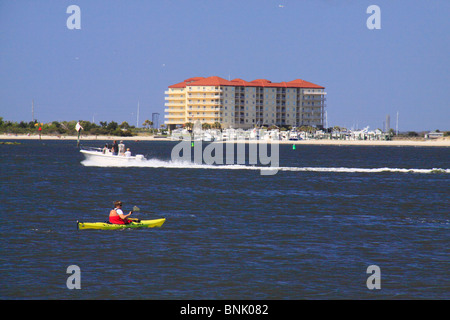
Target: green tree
x,y
112,126
124,125
147,123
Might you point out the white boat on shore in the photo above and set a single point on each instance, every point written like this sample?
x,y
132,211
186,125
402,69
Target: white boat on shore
x,y
98,154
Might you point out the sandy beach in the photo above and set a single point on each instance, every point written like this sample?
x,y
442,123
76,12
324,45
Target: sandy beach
x,y
442,142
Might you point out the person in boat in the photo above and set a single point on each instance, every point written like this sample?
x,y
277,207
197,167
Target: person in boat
x,y
128,153
121,149
116,215
105,149
115,148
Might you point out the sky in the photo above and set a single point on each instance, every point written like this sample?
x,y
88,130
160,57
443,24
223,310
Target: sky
x,y
127,53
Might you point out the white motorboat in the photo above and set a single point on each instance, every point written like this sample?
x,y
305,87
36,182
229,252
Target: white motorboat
x,y
293,135
99,154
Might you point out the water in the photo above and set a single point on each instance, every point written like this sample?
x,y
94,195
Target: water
x,y
230,232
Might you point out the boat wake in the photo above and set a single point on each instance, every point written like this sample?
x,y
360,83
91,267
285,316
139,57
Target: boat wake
x,y
155,163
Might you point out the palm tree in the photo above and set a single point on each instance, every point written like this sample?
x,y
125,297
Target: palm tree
x,y
189,125
148,124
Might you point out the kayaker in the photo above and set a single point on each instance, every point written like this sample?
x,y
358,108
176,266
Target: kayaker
x,y
116,215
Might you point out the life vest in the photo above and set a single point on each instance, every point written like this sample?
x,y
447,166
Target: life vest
x,y
117,219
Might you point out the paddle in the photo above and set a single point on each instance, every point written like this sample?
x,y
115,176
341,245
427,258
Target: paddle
x,y
135,209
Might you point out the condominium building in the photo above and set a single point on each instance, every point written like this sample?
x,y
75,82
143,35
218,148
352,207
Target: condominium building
x,y
241,104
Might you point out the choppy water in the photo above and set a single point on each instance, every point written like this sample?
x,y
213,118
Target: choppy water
x,y
309,231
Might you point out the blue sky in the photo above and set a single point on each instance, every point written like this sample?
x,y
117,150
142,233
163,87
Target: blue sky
x,y
130,51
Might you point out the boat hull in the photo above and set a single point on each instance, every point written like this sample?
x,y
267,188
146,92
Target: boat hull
x,y
95,155
109,226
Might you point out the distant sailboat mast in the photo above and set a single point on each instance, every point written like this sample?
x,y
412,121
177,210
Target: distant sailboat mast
x,y
137,118
396,126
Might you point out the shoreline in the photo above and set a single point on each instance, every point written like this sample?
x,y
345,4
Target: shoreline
x,y
443,142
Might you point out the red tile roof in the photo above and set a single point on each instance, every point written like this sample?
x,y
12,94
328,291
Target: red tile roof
x,y
217,81
211,81
299,83
239,82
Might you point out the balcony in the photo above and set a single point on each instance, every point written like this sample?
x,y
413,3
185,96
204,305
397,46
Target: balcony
x,y
305,92
207,103
174,112
174,104
171,97
203,89
205,96
170,116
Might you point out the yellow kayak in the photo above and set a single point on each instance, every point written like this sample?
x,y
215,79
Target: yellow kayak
x,y
111,226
